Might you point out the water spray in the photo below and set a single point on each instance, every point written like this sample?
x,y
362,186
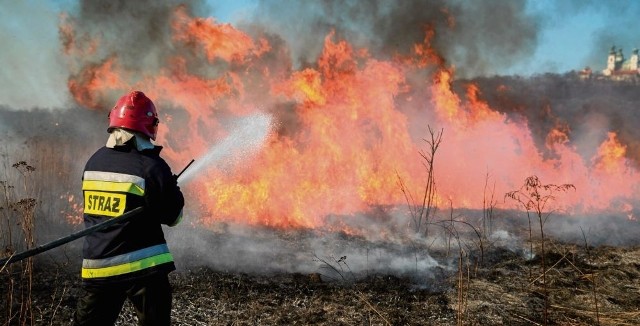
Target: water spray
x,y
246,137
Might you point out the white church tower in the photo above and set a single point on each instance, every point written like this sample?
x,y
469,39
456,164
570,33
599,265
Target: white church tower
x,y
611,62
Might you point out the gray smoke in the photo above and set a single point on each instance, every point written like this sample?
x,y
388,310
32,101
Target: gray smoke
x,y
479,38
467,33
136,32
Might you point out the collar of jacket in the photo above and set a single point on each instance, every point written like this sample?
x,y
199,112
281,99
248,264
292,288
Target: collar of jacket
x,y
121,137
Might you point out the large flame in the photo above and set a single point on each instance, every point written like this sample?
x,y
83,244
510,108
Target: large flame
x,y
349,128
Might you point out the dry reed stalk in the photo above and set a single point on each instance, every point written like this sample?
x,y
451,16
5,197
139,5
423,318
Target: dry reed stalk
x,y
423,212
22,213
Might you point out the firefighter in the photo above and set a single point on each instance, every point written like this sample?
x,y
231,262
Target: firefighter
x,y
129,259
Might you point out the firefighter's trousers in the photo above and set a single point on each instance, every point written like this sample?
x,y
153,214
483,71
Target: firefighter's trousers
x,y
101,305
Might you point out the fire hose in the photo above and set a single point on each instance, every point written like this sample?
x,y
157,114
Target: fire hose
x,y
56,243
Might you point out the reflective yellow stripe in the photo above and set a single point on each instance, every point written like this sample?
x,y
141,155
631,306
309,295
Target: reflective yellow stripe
x,y
113,181
127,187
127,267
127,257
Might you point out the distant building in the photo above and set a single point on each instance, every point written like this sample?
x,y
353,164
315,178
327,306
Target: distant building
x,y
585,73
620,69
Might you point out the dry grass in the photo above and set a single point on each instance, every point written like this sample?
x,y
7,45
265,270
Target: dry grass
x,y
496,293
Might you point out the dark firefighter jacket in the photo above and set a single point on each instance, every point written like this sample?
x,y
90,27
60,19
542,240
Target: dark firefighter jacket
x,y
117,180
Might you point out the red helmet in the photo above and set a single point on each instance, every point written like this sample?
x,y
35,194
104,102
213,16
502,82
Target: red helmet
x,y
136,112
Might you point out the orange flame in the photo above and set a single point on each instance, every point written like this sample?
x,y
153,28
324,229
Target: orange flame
x,y
93,80
73,214
348,127
218,40
610,156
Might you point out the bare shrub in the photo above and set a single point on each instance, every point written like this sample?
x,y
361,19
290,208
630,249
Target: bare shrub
x,y
534,197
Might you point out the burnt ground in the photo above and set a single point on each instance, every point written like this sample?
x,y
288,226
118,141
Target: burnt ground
x,y
585,285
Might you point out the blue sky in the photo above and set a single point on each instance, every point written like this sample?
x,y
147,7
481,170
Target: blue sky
x,y
567,38
571,34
